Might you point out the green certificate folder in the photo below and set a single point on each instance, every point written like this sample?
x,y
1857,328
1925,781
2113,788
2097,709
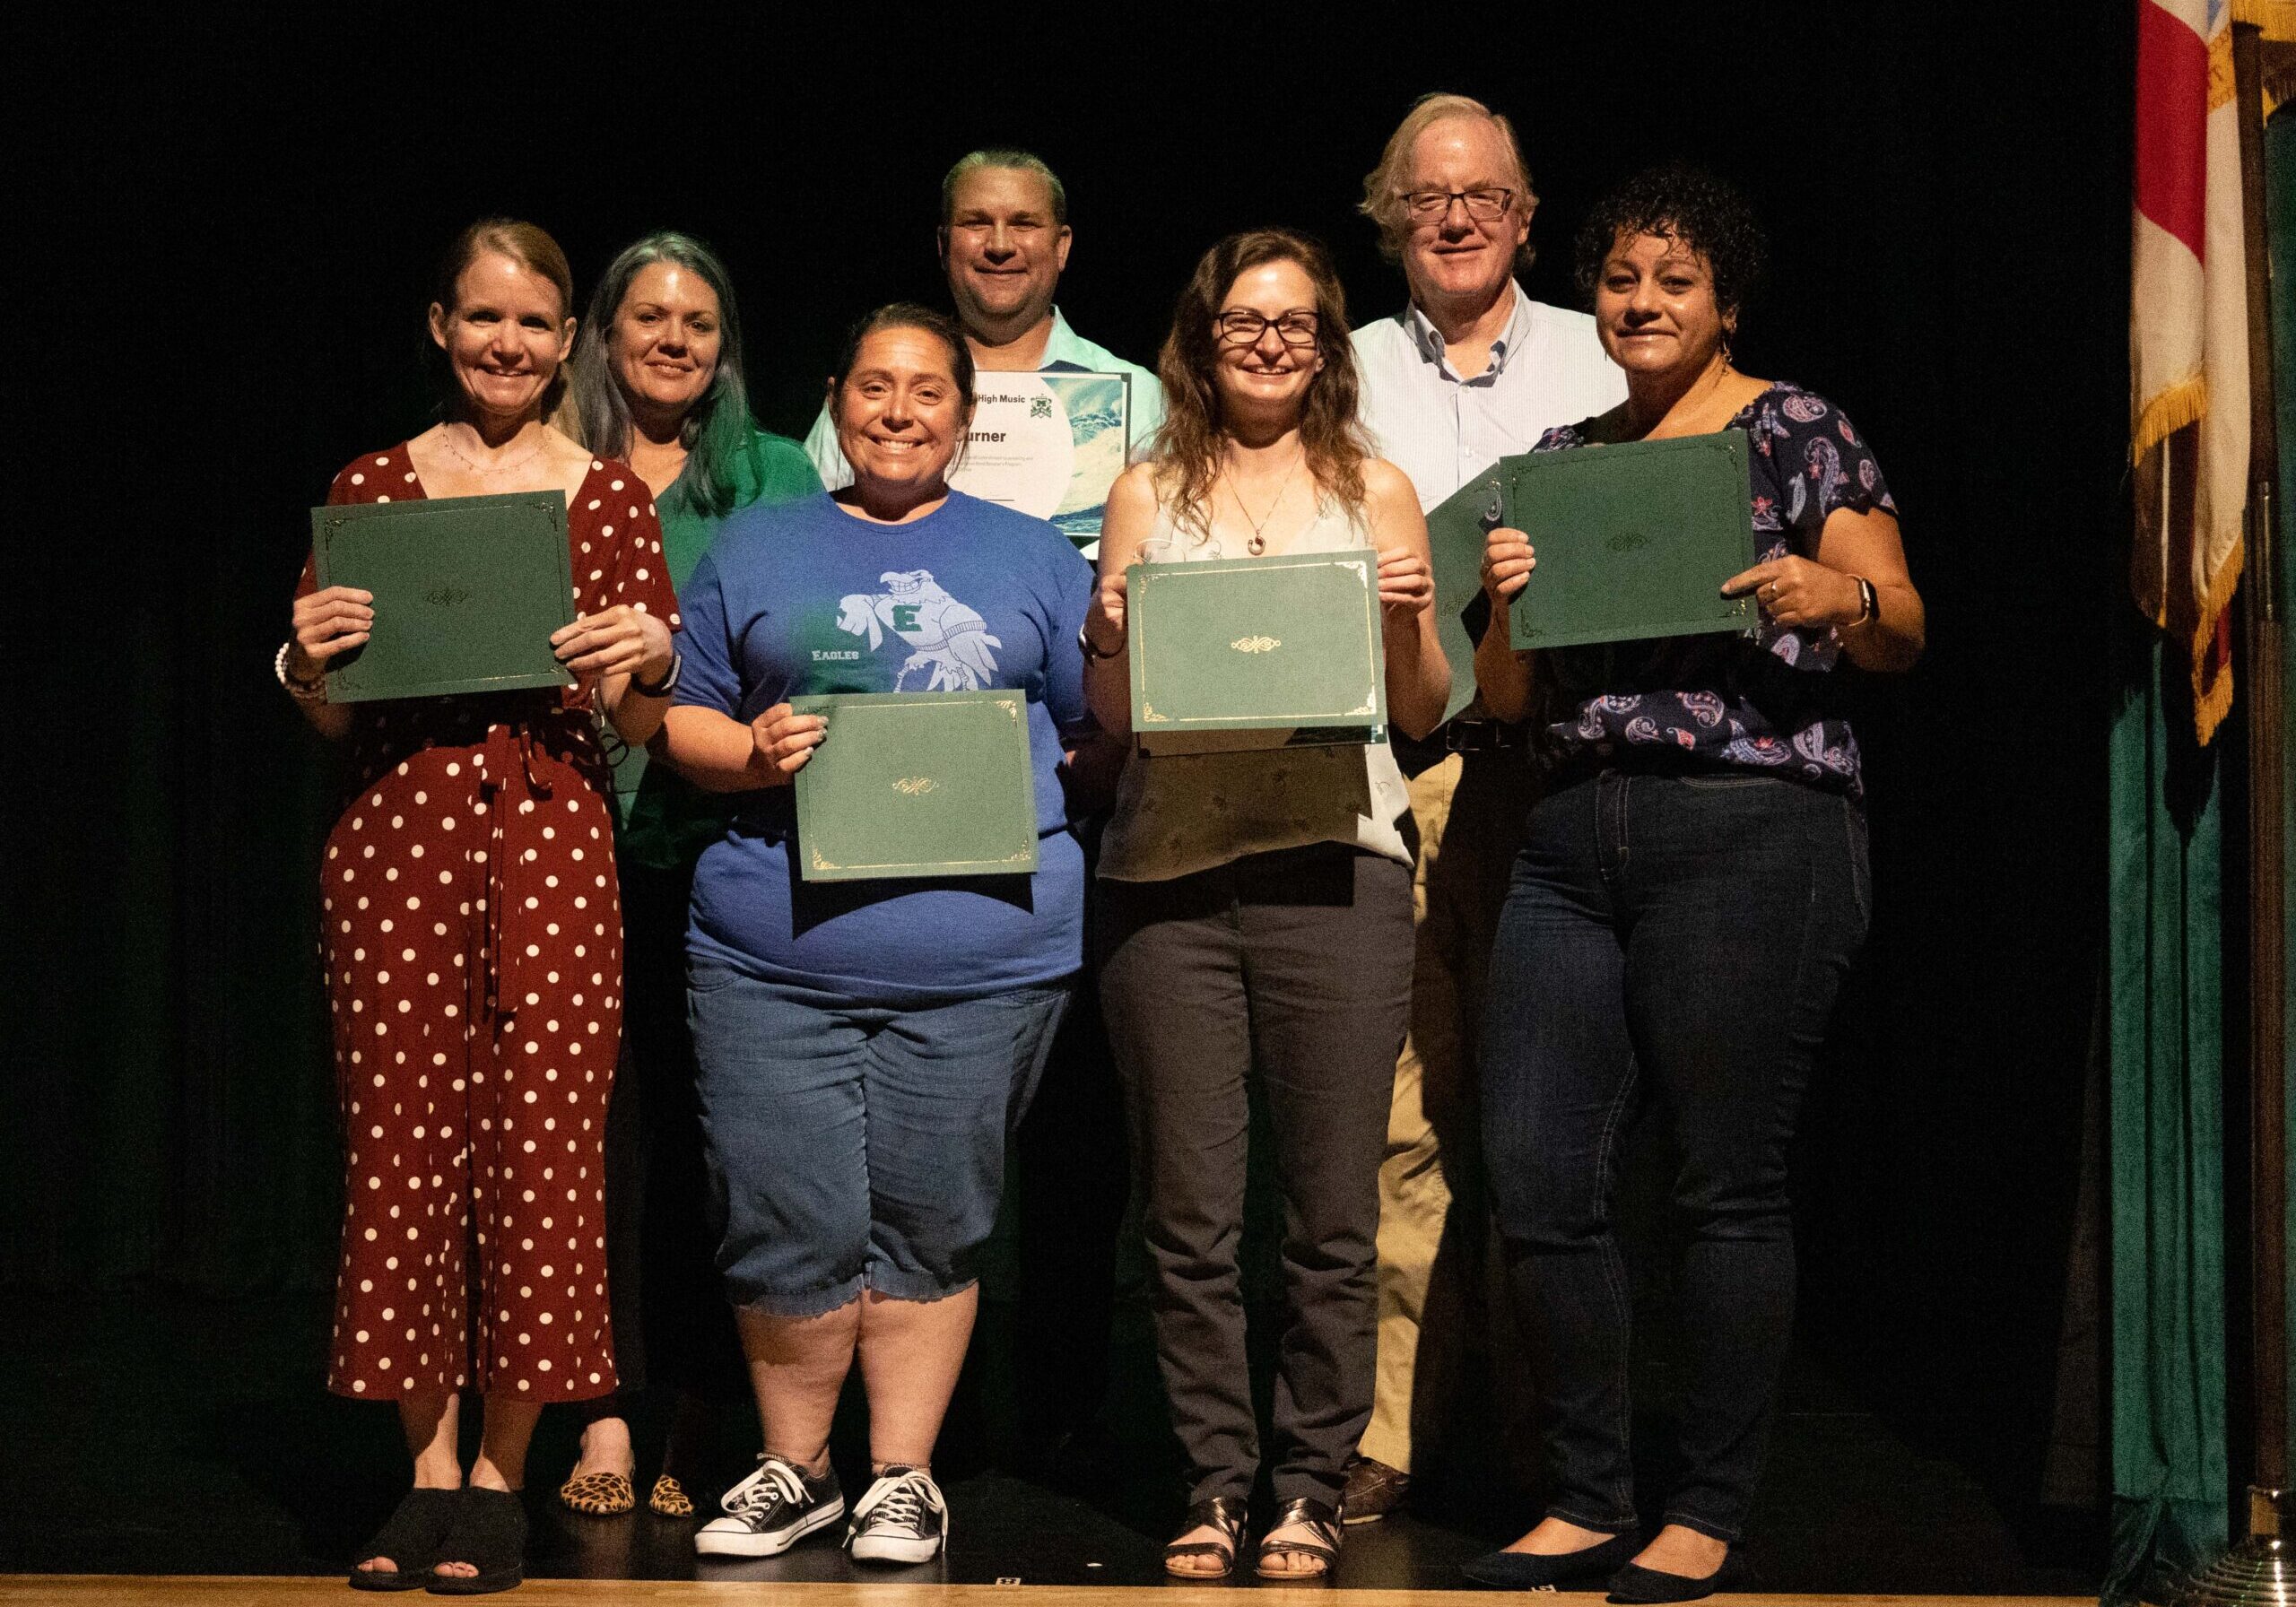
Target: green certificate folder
x,y
1455,529
1285,647
468,591
917,784
1633,539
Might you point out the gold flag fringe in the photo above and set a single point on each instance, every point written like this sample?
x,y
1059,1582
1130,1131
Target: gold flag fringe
x,y
2211,682
2277,18
2171,410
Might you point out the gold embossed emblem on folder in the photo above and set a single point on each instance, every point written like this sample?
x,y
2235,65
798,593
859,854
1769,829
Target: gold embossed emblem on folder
x,y
1204,661
1634,539
911,784
468,591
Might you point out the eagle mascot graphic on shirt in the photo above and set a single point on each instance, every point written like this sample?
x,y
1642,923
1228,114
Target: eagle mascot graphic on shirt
x,y
947,639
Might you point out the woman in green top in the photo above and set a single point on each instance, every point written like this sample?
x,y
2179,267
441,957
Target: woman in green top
x,y
657,382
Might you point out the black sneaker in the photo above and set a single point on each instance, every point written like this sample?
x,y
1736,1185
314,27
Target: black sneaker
x,y
771,1510
902,1518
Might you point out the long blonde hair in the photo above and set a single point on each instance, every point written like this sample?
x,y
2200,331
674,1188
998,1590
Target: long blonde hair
x,y
1191,446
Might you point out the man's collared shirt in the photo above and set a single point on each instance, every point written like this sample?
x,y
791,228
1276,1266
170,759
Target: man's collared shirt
x,y
1064,348
1548,368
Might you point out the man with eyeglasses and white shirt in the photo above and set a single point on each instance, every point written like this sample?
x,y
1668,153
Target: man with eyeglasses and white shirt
x,y
1004,244
1472,370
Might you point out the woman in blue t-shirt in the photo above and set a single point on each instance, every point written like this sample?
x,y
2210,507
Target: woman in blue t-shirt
x,y
1702,965
863,1046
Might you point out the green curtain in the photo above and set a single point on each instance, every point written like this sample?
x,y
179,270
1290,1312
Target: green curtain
x,y
2167,1115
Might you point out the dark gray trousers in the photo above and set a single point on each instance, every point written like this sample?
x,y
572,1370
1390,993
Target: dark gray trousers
x,y
1293,966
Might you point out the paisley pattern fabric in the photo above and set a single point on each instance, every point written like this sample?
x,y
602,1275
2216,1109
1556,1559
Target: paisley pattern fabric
x,y
1763,701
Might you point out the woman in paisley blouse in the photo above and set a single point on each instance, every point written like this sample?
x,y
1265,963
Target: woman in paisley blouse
x,y
1705,964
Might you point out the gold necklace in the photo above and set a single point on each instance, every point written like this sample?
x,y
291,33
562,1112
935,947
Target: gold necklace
x,y
1257,545
446,439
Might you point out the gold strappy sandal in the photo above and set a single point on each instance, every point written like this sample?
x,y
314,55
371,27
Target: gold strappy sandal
x,y
1320,1519
1222,1514
598,1495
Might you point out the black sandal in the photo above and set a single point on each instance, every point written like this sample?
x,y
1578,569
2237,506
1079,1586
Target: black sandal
x,y
1318,1518
410,1538
489,1531
1224,1514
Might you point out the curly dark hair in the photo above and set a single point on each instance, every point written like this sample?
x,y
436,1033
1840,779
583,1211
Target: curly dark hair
x,y
1687,205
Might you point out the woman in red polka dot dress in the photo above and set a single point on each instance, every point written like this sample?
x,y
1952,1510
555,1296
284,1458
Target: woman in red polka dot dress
x,y
473,936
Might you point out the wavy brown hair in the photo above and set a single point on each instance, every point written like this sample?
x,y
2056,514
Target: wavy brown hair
x,y
1191,446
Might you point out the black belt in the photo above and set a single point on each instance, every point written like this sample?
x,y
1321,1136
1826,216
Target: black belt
x,y
1479,736
1416,755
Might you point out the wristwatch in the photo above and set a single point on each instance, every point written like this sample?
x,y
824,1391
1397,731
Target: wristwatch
x,y
1084,646
667,684
1869,605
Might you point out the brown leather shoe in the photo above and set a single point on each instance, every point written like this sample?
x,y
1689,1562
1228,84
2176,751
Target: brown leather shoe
x,y
1374,1489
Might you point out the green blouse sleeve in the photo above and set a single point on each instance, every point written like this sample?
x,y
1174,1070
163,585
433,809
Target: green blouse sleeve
x,y
664,820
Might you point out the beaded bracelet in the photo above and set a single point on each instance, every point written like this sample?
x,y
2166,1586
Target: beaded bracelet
x,y
302,692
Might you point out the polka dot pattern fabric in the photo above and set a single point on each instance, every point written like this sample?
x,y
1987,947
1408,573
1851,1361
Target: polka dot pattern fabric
x,y
472,930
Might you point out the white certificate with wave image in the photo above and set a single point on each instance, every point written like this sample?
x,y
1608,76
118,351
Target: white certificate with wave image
x,y
1049,443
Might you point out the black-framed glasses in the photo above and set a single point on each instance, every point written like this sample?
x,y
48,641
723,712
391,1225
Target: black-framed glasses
x,y
1431,206
1241,326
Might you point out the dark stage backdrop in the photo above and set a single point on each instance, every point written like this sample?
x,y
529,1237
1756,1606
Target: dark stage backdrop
x,y
227,305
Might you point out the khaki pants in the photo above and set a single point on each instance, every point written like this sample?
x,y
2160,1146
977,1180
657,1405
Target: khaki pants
x,y
1469,810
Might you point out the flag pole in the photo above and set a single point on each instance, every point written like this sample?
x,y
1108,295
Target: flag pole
x,y
2261,1568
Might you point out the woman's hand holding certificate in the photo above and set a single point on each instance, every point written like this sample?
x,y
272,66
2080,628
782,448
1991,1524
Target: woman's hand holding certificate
x,y
623,640
333,619
1508,562
1407,583
1797,591
784,740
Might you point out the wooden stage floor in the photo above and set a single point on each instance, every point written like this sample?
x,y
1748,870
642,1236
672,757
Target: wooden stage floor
x,y
83,1590
251,1484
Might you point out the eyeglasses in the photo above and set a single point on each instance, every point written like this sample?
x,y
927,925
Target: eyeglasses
x,y
1241,326
1431,206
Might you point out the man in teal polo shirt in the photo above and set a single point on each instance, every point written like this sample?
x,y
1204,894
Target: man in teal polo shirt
x,y
1004,240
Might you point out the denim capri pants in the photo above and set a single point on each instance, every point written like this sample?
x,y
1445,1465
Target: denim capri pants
x,y
857,1146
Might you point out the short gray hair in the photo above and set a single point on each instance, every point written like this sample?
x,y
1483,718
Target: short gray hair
x,y
1004,156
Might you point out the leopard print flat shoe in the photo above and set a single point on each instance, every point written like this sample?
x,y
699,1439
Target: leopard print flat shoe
x,y
598,1495
669,1499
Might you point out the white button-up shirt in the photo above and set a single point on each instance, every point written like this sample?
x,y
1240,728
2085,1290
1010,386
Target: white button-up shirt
x,y
1547,368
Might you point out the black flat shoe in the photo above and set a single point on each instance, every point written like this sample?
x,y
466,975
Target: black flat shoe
x,y
1531,1570
1634,1582
489,1531
410,1538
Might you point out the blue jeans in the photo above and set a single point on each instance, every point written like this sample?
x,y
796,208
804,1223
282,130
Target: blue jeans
x,y
1691,930
856,1146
